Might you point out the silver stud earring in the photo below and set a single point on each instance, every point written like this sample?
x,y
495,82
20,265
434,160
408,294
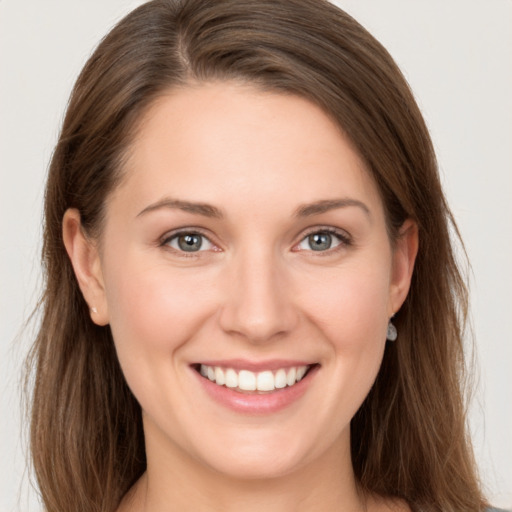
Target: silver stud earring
x,y
392,333
94,310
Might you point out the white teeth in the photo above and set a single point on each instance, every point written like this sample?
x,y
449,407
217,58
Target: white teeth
x,y
301,371
290,376
246,380
265,381
219,376
280,379
231,378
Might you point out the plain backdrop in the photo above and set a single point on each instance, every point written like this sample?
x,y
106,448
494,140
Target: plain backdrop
x,y
457,56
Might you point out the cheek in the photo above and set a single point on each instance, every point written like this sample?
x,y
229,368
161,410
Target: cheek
x,y
351,313
350,305
153,313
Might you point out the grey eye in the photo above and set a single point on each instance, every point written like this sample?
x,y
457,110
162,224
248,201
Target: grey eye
x,y
189,242
320,241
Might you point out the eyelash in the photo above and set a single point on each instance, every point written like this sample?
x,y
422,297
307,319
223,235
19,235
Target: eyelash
x,y
169,237
343,237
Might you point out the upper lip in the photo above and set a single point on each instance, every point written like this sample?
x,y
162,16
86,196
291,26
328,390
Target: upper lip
x,y
256,366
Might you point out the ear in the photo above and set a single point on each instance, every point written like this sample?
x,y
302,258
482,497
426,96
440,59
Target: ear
x,y
84,255
404,256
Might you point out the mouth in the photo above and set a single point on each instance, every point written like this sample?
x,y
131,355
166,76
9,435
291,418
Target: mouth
x,y
245,381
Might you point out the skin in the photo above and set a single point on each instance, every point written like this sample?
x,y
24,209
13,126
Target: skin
x,y
257,291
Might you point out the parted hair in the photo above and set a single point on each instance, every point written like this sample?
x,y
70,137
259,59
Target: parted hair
x,y
409,439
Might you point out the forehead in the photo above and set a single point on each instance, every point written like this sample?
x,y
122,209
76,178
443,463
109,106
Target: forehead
x,y
227,143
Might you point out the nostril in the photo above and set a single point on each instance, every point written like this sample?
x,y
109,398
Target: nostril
x,y
258,309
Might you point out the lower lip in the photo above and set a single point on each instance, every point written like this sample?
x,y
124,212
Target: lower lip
x,y
266,403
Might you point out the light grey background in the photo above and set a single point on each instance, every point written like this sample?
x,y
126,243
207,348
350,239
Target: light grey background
x,y
457,56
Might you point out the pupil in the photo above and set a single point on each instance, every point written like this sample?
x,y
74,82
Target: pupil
x,y
320,241
190,243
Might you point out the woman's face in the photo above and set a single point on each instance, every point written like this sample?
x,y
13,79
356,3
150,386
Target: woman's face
x,y
248,243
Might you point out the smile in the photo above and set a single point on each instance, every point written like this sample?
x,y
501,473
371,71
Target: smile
x,y
249,381
255,388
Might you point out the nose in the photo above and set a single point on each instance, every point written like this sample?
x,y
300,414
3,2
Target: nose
x,y
258,304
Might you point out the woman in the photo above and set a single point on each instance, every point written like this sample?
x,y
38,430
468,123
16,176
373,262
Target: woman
x,y
251,298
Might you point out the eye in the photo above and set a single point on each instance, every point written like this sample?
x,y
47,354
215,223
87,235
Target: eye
x,y
188,242
322,240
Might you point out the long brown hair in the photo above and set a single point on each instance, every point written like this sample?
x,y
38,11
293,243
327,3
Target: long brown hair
x,y
409,438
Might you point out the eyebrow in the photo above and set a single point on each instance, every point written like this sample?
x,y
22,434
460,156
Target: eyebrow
x,y
207,210
325,205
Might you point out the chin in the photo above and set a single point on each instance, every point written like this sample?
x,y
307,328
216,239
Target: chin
x,y
258,466
258,455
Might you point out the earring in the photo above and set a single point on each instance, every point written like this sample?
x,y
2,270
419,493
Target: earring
x,y
94,310
392,333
